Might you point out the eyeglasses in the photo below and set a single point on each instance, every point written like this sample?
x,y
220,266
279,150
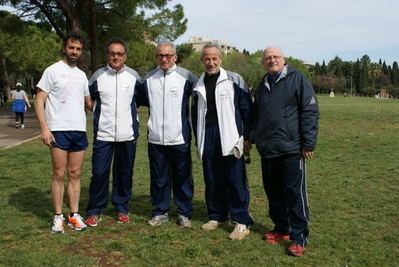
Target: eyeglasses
x,y
272,57
119,54
167,56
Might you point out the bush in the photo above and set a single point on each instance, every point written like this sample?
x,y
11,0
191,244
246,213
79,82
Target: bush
x,y
368,91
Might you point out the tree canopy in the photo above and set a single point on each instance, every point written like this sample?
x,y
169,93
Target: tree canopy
x,y
139,20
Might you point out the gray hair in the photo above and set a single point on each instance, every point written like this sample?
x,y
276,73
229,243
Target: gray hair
x,y
167,43
211,44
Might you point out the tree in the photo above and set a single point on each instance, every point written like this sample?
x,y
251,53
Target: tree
x,y
395,74
357,76
184,51
375,72
317,70
364,72
298,64
323,69
104,19
193,64
335,66
141,57
25,60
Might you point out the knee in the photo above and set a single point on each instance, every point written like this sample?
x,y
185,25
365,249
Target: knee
x,y
58,175
74,174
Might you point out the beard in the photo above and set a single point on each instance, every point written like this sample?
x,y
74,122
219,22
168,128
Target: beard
x,y
71,61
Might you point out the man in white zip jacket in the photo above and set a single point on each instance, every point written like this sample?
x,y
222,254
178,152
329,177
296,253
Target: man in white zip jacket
x,y
222,115
166,91
113,89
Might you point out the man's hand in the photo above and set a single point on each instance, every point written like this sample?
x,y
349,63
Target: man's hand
x,y
307,154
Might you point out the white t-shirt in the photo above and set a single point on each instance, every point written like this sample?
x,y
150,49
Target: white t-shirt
x,y
66,87
19,95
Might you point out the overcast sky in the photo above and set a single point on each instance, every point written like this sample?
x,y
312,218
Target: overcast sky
x,y
312,30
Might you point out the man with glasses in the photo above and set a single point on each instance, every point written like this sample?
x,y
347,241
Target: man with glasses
x,y
113,91
166,91
285,130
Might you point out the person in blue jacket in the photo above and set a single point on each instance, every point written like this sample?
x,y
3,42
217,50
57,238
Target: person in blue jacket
x,y
19,107
284,129
222,116
166,90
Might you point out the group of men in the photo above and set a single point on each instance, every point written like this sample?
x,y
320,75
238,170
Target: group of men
x,y
282,122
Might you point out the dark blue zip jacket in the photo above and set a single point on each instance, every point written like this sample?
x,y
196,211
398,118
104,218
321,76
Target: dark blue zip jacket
x,y
285,115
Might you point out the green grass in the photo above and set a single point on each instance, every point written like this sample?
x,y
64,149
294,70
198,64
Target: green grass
x,y
353,188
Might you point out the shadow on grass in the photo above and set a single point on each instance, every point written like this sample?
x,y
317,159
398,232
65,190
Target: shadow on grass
x,y
32,200
38,203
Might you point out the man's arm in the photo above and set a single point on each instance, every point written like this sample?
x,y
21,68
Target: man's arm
x,y
89,103
46,136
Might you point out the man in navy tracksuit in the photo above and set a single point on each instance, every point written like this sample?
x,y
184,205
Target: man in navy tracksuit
x,y
166,91
284,129
221,116
113,90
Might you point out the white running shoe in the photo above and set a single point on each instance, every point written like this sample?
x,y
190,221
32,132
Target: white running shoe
x,y
76,222
211,225
58,224
240,231
158,220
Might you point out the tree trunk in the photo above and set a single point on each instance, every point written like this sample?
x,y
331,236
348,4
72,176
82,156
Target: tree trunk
x,y
93,36
6,81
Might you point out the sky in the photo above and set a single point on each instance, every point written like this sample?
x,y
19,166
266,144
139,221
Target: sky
x,y
310,30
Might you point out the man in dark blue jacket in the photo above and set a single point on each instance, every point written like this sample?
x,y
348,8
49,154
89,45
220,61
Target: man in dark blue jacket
x,y
284,129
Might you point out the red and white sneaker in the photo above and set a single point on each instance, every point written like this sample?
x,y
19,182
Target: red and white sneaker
x,y
92,220
123,218
273,237
295,250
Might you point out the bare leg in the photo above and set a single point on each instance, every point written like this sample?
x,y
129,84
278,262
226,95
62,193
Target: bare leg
x,y
75,163
59,161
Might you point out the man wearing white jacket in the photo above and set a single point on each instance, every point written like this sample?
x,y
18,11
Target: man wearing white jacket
x,y
166,91
113,89
221,115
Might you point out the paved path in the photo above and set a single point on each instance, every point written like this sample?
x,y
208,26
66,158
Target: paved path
x,y
11,136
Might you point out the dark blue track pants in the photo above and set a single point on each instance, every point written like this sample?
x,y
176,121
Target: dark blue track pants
x,y
170,167
285,186
226,183
123,154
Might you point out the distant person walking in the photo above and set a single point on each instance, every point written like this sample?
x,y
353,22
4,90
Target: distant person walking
x,y
284,129
20,98
61,97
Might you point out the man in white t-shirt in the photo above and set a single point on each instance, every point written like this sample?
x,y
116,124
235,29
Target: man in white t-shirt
x,y
60,109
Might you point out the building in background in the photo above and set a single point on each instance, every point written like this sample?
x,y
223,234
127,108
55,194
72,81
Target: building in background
x,y
199,42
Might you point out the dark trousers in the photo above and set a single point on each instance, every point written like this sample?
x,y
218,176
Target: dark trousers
x,y
285,186
123,154
19,115
226,183
170,168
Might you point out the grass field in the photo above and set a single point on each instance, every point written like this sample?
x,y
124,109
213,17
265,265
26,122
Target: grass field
x,y
353,188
